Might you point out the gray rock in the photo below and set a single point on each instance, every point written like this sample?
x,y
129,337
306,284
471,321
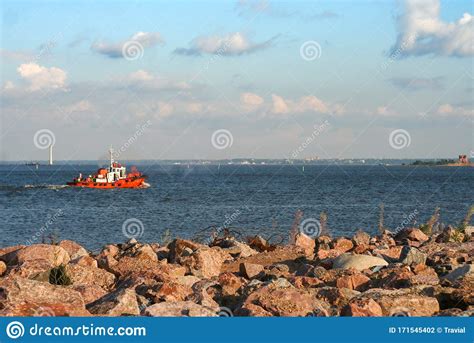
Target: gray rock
x,y
411,255
282,283
465,271
358,262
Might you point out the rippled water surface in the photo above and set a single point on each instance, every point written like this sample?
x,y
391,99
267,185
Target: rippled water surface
x,y
253,199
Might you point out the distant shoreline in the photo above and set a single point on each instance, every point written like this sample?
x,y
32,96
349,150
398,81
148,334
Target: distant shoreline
x,y
263,162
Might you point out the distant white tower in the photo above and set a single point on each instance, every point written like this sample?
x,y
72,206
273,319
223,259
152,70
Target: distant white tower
x,y
51,154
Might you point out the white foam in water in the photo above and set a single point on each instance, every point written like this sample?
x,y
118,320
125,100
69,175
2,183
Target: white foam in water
x,y
145,185
46,186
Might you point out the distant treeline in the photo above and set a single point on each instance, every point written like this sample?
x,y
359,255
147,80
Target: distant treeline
x,y
433,163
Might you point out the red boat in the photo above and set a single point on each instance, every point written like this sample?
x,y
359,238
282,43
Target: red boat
x,y
113,177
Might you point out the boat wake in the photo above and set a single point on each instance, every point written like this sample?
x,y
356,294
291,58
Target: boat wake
x,y
145,185
45,186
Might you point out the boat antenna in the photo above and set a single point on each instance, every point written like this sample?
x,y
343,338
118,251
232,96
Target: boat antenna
x,y
111,151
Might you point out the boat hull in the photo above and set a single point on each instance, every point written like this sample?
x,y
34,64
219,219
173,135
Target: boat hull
x,y
123,183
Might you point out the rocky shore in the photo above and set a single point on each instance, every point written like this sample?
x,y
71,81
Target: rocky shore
x,y
403,274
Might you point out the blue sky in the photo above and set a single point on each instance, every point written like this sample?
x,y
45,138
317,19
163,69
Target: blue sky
x,y
380,66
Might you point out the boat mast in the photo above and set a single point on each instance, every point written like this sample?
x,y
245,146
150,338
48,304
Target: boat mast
x,y
111,156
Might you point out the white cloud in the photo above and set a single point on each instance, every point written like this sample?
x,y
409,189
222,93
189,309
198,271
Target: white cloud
x,y
146,80
421,31
251,101
40,77
164,109
80,106
8,85
279,105
141,75
382,110
304,104
114,50
236,43
448,109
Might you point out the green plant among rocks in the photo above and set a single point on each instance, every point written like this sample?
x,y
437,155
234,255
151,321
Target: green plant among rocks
x,y
427,228
166,238
323,221
467,219
59,276
381,218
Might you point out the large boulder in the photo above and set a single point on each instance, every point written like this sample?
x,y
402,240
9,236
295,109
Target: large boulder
x,y
142,267
336,297
3,268
411,255
356,281
90,293
287,255
54,255
282,301
178,246
463,274
358,262
365,307
85,261
342,244
179,309
7,250
406,301
306,243
85,275
205,262
169,291
411,236
229,283
250,270
22,297
121,302
74,249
